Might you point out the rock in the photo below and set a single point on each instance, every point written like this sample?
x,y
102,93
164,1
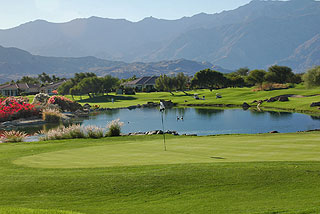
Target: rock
x,y
272,99
273,132
132,107
87,106
315,104
283,99
245,105
254,101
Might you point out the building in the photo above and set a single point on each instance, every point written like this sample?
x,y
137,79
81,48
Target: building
x,y
48,89
142,84
16,89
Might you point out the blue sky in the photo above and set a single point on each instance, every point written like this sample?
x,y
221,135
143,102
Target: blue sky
x,y
16,12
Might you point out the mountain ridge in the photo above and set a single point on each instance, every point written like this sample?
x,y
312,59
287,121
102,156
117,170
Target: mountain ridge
x,y
232,39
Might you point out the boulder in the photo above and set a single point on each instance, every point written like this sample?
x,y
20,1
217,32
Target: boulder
x,y
315,104
273,132
283,99
245,105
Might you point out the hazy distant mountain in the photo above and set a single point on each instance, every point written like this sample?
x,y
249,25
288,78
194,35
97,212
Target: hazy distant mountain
x,y
257,35
305,56
15,63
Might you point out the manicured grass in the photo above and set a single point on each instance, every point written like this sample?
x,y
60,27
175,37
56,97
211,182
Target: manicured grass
x,y
8,210
233,96
234,148
268,173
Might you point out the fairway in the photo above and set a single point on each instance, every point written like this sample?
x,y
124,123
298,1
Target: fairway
x,y
232,148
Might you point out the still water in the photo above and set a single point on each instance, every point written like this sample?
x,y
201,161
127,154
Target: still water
x,y
202,121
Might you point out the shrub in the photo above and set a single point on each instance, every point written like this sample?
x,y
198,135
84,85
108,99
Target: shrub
x,y
114,128
12,136
41,99
16,107
64,103
312,77
51,115
94,132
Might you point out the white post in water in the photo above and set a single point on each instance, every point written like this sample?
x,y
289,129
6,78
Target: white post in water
x,y
162,109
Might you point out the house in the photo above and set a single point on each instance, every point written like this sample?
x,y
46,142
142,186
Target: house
x,y
16,89
142,84
48,89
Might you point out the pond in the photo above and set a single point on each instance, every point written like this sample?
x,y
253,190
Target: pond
x,y
204,121
200,121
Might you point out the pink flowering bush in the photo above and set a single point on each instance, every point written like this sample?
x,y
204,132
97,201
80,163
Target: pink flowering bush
x,y
64,103
12,108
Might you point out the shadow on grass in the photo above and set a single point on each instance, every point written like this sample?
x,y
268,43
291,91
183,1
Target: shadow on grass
x,y
106,98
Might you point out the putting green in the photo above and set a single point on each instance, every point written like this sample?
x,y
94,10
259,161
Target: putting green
x,y
180,150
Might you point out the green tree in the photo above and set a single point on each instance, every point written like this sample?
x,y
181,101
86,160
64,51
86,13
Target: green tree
x,y
235,80
312,77
165,83
108,83
209,79
243,71
256,77
44,78
279,74
181,81
89,85
65,87
29,80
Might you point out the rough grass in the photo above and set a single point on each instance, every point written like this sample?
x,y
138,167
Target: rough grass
x,y
234,96
262,185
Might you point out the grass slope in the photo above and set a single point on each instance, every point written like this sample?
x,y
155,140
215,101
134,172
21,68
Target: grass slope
x,y
261,186
233,96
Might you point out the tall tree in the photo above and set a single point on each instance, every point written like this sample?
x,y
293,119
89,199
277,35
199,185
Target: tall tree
x,y
279,74
108,83
256,77
312,77
209,79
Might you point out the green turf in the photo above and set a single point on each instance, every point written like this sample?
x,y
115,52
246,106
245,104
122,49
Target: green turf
x,y
10,210
234,148
233,96
281,175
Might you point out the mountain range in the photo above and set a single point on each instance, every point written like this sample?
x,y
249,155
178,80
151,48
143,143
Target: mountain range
x,y
15,63
256,35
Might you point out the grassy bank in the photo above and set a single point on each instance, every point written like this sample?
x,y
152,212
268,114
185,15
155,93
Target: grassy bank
x,y
230,96
267,173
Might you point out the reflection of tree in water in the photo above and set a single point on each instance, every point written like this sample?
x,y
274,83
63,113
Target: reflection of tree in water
x,y
208,112
278,115
315,117
179,111
31,130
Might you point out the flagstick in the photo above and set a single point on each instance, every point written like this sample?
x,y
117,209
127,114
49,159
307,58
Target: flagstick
x,y
164,136
162,109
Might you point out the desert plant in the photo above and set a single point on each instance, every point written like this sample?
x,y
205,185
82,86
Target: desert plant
x,y
94,132
51,115
114,128
12,136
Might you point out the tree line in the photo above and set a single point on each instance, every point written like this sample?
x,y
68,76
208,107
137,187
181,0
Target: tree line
x,y
88,83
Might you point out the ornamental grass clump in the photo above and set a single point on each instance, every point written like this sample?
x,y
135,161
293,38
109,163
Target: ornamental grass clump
x,y
70,132
94,132
51,115
114,128
12,136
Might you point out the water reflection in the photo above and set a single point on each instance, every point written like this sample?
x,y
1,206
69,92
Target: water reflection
x,y
208,113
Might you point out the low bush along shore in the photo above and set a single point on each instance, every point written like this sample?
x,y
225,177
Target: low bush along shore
x,y
230,96
265,173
